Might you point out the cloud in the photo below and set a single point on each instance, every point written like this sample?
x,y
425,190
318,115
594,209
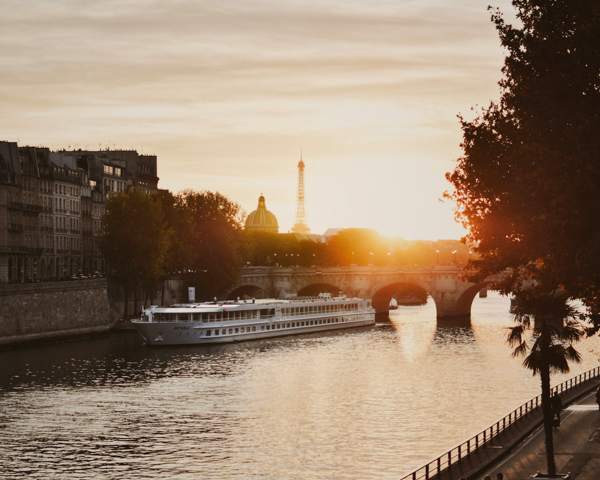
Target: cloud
x,y
220,88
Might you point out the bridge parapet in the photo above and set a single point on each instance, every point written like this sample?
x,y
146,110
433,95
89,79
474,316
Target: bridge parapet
x,y
452,296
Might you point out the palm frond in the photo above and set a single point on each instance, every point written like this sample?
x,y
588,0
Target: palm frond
x,y
572,355
515,335
572,331
532,361
558,358
520,350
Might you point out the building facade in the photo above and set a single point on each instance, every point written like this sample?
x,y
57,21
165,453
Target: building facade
x,y
51,207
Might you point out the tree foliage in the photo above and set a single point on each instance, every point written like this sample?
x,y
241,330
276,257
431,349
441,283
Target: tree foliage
x,y
527,187
556,327
528,184
135,239
209,241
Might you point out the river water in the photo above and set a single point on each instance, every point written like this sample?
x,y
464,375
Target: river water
x,y
360,404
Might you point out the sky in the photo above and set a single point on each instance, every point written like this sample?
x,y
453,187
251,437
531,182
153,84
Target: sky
x,y
228,93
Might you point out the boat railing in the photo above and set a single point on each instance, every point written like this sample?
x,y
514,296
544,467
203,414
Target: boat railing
x,y
462,450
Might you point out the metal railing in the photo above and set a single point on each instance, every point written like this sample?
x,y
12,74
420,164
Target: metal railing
x,y
457,453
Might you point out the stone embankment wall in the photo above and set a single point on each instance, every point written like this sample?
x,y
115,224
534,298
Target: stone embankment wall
x,y
42,312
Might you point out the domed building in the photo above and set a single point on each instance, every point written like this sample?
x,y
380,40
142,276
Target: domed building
x,y
261,219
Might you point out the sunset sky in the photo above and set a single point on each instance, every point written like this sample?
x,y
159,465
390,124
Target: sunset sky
x,y
227,93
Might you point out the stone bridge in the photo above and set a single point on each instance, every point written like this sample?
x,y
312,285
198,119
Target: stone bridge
x,y
452,296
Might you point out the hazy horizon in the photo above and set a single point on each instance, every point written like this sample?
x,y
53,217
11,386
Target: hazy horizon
x,y
227,94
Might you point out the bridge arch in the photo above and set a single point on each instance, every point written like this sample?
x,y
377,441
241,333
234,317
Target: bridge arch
x,y
314,289
382,296
465,301
248,291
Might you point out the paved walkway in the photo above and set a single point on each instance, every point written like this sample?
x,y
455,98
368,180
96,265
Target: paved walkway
x,y
576,447
519,451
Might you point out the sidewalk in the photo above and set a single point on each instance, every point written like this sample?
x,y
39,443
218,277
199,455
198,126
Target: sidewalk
x,y
519,451
576,447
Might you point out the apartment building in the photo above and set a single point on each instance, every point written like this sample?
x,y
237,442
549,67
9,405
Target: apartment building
x,y
51,207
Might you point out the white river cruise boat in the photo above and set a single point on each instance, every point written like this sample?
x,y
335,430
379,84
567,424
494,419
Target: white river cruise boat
x,y
236,321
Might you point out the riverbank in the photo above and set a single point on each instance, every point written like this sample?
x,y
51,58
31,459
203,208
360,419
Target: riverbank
x,y
575,446
40,313
486,459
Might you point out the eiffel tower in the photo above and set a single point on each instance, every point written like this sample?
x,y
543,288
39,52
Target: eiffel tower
x,y
300,225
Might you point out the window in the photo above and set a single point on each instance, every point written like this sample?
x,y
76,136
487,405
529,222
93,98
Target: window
x,y
208,333
237,330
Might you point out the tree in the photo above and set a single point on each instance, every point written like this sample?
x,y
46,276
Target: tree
x,y
360,246
556,327
135,241
527,187
210,240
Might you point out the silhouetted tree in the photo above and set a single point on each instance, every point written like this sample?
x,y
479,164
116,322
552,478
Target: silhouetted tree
x,y
556,326
135,240
210,240
528,185
361,246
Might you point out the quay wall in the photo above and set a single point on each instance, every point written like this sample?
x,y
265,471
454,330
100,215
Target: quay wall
x,y
46,312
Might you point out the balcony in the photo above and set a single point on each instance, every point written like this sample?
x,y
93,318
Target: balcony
x,y
15,227
33,208
15,205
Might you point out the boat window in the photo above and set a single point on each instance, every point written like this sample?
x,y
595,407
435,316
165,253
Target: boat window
x,y
268,328
217,331
237,330
287,325
254,329
262,327
183,317
223,332
208,333
230,331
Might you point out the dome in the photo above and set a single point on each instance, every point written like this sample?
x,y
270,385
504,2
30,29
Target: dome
x,y
261,219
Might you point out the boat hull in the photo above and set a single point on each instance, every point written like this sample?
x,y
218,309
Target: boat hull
x,y
195,333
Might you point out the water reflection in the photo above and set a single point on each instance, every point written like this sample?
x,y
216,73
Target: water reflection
x,y
360,404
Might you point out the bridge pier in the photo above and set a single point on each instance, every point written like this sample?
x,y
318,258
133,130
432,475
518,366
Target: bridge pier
x,y
452,296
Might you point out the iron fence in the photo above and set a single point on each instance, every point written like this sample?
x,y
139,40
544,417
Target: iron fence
x,y
457,453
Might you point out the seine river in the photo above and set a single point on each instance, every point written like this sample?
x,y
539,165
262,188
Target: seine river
x,y
370,403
